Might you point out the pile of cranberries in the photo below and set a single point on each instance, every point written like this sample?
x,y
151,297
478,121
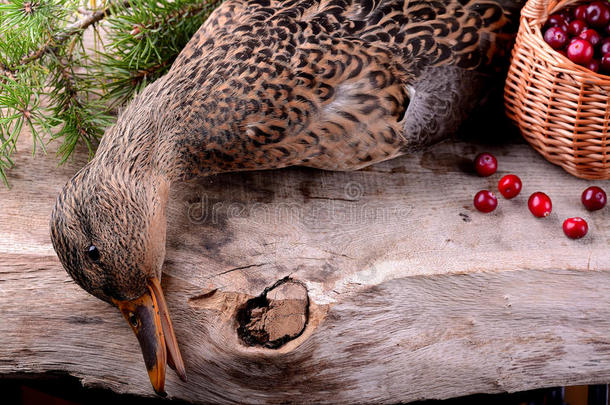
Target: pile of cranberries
x,y
582,34
539,204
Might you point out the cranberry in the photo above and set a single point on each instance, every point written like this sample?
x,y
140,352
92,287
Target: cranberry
x,y
594,198
540,204
566,14
593,65
580,51
598,14
604,46
576,27
556,37
556,20
575,228
605,63
485,201
590,35
580,12
607,29
509,186
485,164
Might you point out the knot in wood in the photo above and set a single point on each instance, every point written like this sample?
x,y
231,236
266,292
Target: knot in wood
x,y
277,316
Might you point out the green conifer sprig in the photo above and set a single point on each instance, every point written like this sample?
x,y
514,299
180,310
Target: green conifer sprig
x,y
144,42
66,85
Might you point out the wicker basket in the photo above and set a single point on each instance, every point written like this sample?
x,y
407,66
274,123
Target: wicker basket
x,y
562,109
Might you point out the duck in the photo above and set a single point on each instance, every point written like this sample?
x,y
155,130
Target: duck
x,y
266,84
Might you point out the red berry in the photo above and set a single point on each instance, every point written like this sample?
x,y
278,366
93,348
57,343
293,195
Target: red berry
x,y
575,228
605,63
556,20
485,164
607,29
485,201
594,198
598,14
566,14
580,51
576,27
509,186
590,35
556,37
593,65
540,204
604,46
580,12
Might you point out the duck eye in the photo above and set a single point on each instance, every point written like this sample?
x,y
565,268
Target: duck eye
x,y
93,253
133,320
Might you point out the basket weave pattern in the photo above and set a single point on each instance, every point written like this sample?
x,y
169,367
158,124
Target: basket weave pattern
x,y
562,109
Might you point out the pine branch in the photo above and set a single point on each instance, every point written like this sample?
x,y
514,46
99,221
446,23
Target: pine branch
x,y
145,42
42,54
6,72
73,29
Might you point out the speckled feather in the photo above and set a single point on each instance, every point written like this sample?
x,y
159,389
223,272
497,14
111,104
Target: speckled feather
x,y
328,84
331,84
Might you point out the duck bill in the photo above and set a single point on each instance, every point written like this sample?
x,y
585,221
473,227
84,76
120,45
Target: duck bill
x,y
149,319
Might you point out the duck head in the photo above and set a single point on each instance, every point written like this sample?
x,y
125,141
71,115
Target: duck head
x,y
108,230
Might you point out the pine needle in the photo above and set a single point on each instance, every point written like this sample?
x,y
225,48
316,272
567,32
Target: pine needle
x,y
43,56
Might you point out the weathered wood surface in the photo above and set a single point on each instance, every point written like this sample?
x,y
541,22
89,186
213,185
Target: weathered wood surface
x,y
410,293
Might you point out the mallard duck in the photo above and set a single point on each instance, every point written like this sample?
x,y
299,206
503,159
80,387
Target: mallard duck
x,y
264,84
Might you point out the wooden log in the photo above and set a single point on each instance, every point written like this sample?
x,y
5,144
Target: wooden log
x,y
298,285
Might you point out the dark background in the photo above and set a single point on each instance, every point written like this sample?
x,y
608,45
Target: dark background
x,y
61,389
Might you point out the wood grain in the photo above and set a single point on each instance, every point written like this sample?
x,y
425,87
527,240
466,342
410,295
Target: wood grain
x,y
411,293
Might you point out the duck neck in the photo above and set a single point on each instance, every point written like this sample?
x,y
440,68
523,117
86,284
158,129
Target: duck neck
x,y
133,160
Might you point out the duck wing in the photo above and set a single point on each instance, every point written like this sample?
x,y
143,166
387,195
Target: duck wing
x,y
339,84
419,33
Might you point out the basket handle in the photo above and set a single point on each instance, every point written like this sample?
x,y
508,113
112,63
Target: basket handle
x,y
539,10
